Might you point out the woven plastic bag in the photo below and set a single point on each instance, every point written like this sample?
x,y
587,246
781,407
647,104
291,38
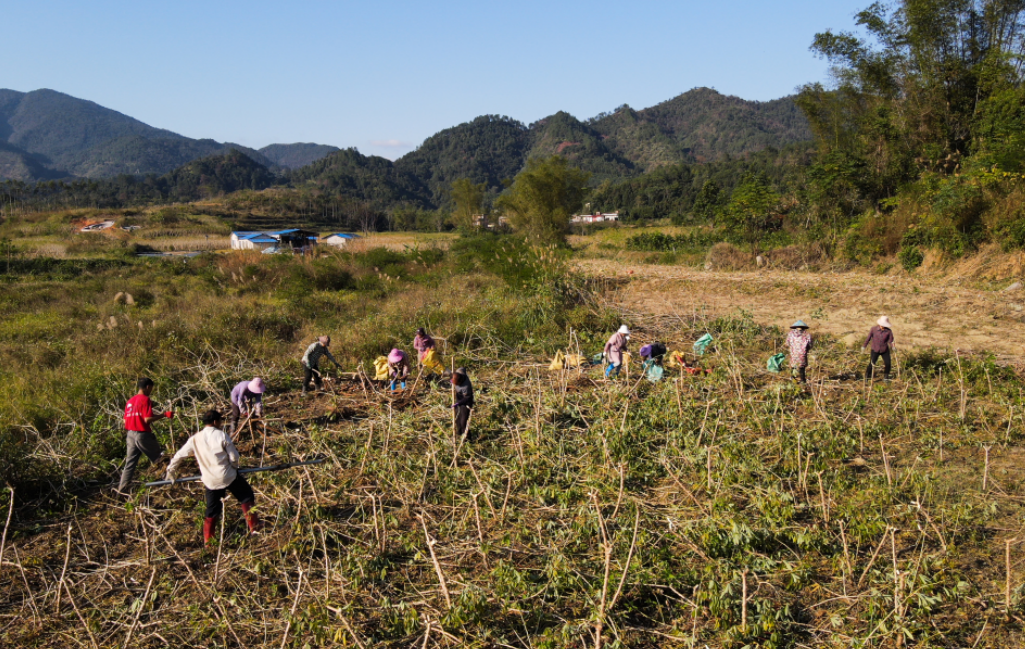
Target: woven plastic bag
x,y
431,362
381,368
702,344
775,363
653,371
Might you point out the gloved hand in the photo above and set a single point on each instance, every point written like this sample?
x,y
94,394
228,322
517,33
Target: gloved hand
x,y
170,475
169,414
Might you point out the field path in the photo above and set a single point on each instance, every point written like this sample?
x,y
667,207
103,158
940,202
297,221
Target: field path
x,y
925,311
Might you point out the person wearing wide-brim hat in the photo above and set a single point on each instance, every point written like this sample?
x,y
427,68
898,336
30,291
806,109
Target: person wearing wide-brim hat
x,y
613,352
398,368
799,343
246,399
880,340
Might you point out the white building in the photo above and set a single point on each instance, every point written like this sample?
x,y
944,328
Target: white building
x,y
340,239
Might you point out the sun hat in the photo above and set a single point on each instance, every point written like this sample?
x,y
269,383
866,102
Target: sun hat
x,y
883,321
396,355
646,351
257,386
624,330
799,325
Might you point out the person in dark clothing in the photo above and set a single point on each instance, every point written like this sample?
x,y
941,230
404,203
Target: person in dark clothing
x,y
880,340
463,389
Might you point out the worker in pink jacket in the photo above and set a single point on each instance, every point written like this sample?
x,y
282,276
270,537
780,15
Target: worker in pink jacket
x,y
613,352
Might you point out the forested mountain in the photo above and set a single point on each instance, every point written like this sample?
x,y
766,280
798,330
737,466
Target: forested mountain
x,y
17,164
216,175
701,125
299,154
47,134
489,149
52,135
581,144
372,179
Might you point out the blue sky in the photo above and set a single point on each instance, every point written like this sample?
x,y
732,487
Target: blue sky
x,y
383,75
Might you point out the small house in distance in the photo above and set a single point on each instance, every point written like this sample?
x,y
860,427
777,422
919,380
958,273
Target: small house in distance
x,y
340,239
291,240
597,217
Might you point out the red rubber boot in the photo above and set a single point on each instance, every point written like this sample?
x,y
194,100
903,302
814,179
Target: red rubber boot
x,y
208,529
252,520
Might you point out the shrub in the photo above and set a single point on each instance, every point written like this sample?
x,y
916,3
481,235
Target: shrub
x,y
726,256
910,257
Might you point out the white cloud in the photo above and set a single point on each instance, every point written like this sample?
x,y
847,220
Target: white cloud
x,y
391,144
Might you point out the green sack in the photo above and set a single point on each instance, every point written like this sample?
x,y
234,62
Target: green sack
x,y
776,362
597,359
653,372
702,343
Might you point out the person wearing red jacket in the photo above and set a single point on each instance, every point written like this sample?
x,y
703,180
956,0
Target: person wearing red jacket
x,y
141,440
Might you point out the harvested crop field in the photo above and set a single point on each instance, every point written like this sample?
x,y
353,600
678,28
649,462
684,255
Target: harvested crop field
x,y
945,312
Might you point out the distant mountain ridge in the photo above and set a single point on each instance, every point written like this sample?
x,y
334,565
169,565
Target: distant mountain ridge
x,y
49,135
700,125
46,134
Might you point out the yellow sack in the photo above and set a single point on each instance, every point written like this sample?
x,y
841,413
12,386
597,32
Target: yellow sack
x,y
566,361
675,360
432,362
381,369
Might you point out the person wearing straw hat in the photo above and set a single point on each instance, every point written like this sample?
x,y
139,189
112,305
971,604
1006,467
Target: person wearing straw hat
x,y
613,351
247,399
880,340
398,368
311,362
799,343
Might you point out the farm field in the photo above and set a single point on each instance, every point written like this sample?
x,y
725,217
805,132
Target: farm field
x,y
728,509
948,311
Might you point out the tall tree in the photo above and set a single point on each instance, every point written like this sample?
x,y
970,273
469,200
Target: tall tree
x,y
543,197
910,92
468,200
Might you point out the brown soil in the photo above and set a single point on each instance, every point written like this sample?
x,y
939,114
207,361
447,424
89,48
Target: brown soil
x,y
929,311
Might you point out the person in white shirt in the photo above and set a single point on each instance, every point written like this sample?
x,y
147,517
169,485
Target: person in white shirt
x,y
218,467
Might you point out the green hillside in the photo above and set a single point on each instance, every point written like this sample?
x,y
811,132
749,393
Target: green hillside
x,y
372,179
299,154
67,136
583,146
489,149
701,125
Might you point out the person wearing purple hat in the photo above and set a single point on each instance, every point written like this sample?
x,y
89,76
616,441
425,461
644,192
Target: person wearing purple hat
x,y
398,368
246,398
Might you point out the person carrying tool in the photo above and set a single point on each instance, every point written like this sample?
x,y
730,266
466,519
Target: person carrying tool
x,y
613,352
799,343
311,362
398,368
880,339
218,467
421,343
246,399
141,440
463,389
